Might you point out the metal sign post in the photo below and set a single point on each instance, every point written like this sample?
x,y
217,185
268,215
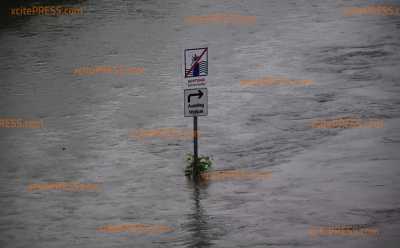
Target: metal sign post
x,y
196,104
196,99
196,169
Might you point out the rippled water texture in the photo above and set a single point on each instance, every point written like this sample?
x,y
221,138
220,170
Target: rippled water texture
x,y
315,177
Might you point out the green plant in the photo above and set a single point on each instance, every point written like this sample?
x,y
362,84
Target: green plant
x,y
204,163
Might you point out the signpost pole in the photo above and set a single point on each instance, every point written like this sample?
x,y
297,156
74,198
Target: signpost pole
x,y
196,170
196,99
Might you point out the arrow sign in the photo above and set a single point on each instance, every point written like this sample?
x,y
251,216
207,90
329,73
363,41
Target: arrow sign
x,y
200,94
196,102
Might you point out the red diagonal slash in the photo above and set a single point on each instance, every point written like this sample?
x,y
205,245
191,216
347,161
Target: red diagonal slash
x,y
191,68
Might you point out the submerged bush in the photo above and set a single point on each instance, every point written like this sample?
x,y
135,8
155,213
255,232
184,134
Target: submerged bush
x,y
204,163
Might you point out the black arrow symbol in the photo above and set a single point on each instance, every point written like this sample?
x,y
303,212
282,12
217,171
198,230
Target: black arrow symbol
x,y
200,94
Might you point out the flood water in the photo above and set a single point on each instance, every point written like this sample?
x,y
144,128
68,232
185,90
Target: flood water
x,y
320,177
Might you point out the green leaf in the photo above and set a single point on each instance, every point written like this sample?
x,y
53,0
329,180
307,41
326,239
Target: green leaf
x,y
203,161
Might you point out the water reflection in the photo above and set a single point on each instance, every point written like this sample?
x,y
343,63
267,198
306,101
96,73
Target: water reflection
x,y
198,225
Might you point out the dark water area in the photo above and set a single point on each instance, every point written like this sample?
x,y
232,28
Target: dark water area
x,y
320,177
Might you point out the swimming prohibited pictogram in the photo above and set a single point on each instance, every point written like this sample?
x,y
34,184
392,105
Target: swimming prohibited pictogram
x,y
196,62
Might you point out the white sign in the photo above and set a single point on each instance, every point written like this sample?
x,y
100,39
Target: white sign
x,y
196,66
196,102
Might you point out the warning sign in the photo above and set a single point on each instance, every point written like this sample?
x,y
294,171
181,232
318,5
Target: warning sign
x,y
196,62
